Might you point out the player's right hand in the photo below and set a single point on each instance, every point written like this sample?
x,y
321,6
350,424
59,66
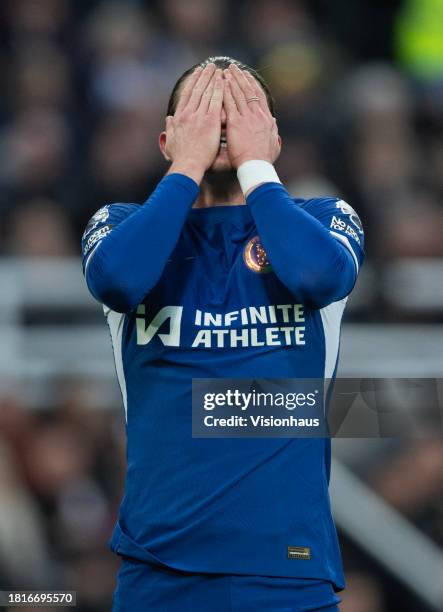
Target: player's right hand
x,y
193,132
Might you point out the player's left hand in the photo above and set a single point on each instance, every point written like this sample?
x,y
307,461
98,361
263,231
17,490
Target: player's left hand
x,y
251,130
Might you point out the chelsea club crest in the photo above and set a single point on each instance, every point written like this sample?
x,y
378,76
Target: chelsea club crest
x,y
255,256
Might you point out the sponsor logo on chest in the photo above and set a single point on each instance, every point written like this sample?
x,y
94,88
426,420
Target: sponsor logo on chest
x,y
253,326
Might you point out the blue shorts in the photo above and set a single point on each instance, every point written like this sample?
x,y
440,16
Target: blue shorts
x,y
143,587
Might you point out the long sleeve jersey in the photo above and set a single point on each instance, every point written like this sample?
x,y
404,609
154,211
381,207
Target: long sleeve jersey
x,y
255,290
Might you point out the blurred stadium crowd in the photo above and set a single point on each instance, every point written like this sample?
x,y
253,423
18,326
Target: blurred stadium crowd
x,y
359,94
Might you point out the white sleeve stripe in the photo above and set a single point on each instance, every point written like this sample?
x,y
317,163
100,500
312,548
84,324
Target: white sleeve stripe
x,y
90,255
331,316
347,244
116,322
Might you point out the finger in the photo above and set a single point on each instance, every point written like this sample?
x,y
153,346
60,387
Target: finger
x,y
188,88
258,91
275,133
243,83
200,87
205,100
215,105
229,102
237,93
247,87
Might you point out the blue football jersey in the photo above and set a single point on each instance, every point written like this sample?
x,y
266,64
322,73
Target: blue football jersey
x,y
223,505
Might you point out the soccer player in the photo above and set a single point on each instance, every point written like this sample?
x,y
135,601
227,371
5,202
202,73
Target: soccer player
x,y
204,280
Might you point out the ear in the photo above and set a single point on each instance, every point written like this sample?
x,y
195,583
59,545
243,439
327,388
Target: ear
x,y
162,145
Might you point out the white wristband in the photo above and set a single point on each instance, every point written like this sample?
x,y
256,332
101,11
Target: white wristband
x,y
254,172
